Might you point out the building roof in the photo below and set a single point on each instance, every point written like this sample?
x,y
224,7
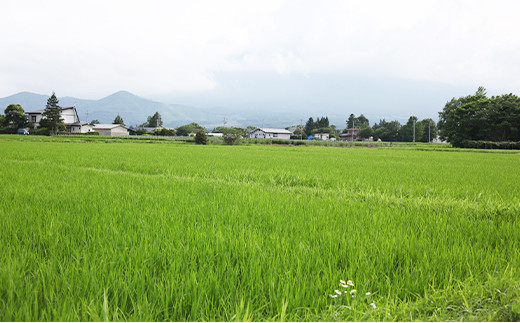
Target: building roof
x,y
43,110
107,126
273,130
81,123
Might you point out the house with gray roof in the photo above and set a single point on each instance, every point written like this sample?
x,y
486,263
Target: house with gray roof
x,y
270,133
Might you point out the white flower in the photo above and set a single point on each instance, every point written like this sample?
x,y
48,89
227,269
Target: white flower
x,y
338,292
342,281
333,296
344,286
350,283
368,293
373,305
353,291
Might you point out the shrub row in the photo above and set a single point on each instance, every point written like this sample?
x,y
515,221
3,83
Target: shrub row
x,y
480,144
90,133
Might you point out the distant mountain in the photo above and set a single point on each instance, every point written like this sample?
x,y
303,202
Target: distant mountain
x,y
133,109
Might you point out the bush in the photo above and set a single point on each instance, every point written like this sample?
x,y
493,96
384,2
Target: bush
x,y
42,131
164,132
481,144
232,136
201,138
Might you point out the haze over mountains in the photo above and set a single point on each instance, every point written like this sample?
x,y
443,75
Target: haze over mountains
x,y
133,109
266,99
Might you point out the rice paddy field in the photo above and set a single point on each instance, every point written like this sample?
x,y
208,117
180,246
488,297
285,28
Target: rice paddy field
x,y
129,231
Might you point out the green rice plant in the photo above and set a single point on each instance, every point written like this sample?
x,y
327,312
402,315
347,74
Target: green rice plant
x,y
130,231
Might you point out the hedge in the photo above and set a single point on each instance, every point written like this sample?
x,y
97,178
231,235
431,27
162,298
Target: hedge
x,y
481,144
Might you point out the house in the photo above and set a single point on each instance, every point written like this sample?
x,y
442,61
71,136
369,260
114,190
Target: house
x,y
321,136
111,130
270,133
350,135
69,116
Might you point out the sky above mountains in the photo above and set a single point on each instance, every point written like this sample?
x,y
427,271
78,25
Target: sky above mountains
x,y
382,58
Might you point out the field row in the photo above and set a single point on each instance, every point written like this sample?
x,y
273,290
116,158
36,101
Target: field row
x,y
94,231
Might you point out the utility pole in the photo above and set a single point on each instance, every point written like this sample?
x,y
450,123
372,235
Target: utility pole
x,y
225,121
413,130
352,130
301,129
429,124
87,116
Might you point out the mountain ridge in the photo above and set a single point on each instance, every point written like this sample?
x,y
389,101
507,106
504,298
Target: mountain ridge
x,y
132,108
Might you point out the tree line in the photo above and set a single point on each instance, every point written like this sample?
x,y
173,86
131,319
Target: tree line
x,y
470,118
480,118
422,131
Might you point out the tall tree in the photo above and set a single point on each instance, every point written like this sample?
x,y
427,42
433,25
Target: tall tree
x,y
358,122
15,117
51,117
309,126
429,131
118,120
466,118
154,121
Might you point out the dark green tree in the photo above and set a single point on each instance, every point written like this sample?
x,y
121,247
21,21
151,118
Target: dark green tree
x,y
154,121
309,126
356,122
95,121
429,131
232,136
201,138
465,118
185,130
407,130
365,132
118,120
387,131
51,117
14,117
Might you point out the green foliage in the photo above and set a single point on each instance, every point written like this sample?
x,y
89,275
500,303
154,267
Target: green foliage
x,y
95,121
232,135
255,232
387,131
141,131
365,132
189,128
358,122
51,118
479,118
481,144
40,131
164,132
201,138
315,126
14,117
118,120
153,121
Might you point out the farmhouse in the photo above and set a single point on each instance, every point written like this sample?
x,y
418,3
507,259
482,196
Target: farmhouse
x,y
352,133
69,116
270,133
111,130
321,136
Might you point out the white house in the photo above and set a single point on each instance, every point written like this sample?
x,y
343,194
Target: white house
x,y
69,116
321,136
111,130
270,133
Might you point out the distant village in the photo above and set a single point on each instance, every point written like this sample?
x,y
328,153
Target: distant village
x,y
356,128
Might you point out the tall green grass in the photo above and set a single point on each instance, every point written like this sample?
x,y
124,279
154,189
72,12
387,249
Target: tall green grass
x,y
136,231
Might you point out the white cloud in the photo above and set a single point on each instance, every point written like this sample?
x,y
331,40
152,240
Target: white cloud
x,y
94,48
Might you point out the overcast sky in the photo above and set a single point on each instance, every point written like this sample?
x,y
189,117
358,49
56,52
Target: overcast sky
x,y
164,49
